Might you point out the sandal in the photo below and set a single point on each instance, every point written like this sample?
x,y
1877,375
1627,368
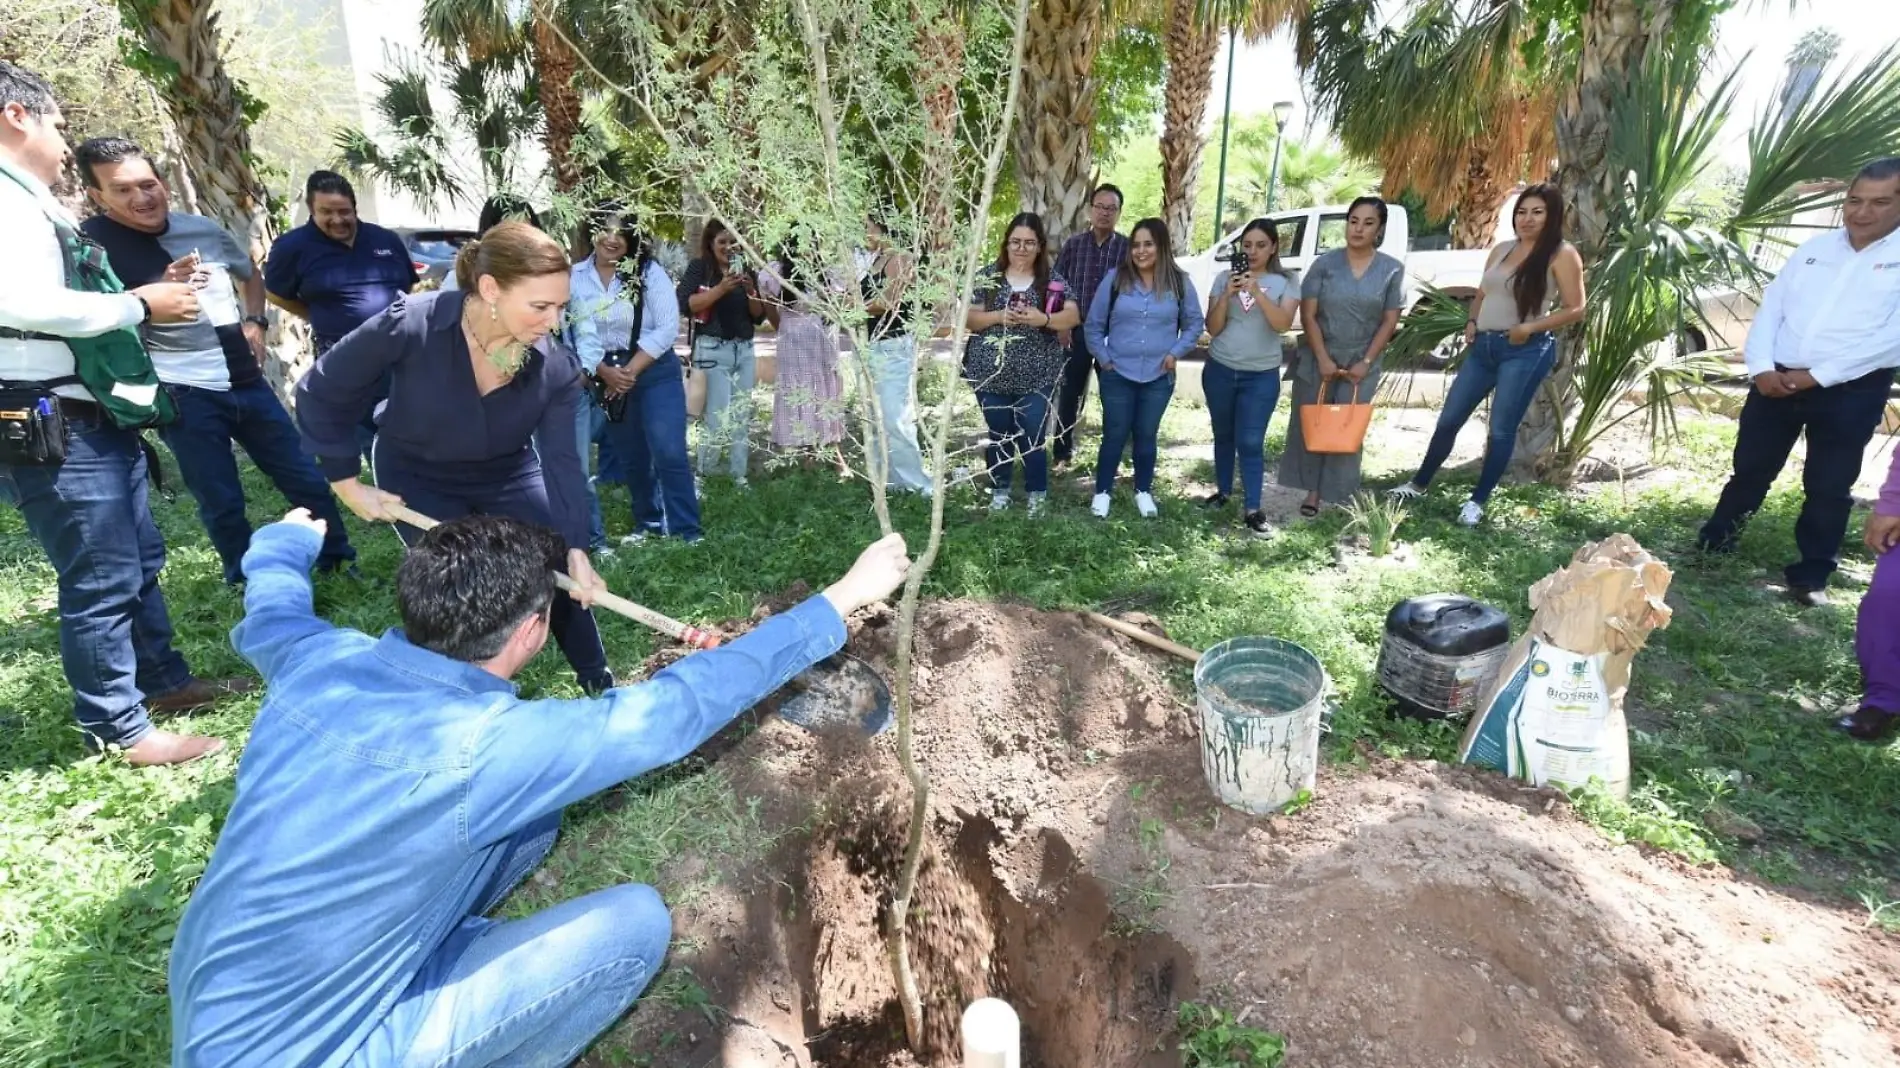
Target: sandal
x,y
1309,510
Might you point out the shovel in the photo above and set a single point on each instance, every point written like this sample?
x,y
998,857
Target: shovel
x,y
837,691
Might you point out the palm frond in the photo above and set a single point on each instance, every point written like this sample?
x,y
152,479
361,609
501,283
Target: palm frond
x,y
1844,122
473,29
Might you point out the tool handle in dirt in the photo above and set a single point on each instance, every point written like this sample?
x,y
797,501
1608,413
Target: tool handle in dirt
x,y
1140,635
646,617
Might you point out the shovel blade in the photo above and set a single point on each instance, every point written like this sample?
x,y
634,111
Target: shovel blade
x,y
840,692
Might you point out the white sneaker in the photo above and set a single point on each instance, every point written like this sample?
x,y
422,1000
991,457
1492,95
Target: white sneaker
x,y
741,482
1406,491
1471,514
1099,506
1037,501
999,500
636,538
1145,504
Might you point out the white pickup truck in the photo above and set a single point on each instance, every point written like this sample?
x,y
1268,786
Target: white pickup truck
x,y
1307,232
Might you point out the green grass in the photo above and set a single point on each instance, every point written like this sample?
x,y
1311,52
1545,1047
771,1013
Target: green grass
x,y
1729,703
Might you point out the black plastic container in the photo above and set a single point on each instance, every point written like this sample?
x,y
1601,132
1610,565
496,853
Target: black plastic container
x,y
1440,652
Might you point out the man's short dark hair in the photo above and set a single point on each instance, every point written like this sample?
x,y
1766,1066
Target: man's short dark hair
x,y
1884,169
95,151
465,586
328,182
21,86
1107,188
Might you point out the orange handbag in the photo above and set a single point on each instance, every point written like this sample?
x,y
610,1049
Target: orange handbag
x,y
1335,428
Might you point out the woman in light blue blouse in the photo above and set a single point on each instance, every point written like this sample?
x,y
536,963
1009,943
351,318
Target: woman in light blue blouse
x,y
1144,317
625,322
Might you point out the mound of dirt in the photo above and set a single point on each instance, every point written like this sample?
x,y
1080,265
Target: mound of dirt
x,y
1078,866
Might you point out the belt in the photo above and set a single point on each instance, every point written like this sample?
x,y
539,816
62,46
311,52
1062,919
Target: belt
x,y
10,334
74,408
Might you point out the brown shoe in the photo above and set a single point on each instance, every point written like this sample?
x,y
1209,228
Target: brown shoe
x,y
1808,596
197,694
159,748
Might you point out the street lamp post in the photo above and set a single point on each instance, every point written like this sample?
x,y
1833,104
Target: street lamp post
x,y
1282,112
1226,120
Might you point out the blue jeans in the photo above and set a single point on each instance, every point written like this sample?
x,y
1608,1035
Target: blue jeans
x,y
893,366
731,370
590,425
1515,372
534,991
209,421
1240,404
651,439
1131,410
91,516
1017,425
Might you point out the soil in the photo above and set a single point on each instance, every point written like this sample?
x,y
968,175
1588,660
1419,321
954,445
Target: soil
x,y
1413,914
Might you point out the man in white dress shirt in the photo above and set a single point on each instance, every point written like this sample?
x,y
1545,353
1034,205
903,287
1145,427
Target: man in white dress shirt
x,y
87,510
1822,353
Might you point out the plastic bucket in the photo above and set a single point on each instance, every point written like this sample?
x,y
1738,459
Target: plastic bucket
x,y
1260,700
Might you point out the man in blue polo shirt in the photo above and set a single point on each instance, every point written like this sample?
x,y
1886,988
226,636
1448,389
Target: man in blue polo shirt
x,y
210,365
337,270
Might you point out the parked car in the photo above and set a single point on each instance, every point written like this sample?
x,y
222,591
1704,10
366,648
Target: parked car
x,y
433,251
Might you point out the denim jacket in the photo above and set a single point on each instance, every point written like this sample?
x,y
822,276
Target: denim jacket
x,y
377,793
1145,330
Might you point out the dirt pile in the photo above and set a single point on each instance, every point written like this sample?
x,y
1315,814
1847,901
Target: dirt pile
x,y
1413,915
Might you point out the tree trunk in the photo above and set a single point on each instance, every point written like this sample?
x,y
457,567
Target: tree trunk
x,y
1055,167
940,51
210,111
1480,196
1617,37
561,104
1193,45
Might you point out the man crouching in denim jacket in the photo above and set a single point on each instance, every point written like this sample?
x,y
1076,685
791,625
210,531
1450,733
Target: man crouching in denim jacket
x,y
395,789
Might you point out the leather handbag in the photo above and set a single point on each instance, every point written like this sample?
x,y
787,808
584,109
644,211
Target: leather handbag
x,y
1335,428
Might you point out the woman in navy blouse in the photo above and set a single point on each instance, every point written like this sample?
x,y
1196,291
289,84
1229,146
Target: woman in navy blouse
x,y
474,375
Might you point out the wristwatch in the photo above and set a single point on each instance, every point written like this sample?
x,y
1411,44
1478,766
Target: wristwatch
x,y
262,323
146,305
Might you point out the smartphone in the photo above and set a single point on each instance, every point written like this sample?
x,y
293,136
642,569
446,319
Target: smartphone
x,y
1238,261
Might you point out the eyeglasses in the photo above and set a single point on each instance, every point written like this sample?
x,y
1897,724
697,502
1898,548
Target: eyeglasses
x,y
1025,246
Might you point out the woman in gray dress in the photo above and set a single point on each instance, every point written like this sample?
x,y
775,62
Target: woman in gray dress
x,y
1349,300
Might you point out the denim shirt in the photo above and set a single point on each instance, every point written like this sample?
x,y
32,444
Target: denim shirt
x,y
1147,329
376,796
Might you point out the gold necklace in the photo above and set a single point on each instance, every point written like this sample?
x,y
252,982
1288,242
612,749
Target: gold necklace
x,y
508,357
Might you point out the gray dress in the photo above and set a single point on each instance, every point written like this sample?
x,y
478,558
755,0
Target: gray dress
x,y
1349,312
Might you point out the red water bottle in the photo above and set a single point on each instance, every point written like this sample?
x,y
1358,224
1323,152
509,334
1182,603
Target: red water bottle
x,y
1057,291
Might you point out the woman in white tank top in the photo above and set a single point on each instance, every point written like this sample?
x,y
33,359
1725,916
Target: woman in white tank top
x,y
1532,288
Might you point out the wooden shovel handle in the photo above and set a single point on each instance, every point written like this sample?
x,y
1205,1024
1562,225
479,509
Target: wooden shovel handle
x,y
1140,635
647,617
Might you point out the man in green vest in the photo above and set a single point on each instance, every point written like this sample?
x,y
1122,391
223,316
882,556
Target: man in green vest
x,y
74,387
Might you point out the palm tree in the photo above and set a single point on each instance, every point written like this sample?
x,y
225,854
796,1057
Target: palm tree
x,y
1447,101
493,105
1054,162
213,113
469,32
1194,31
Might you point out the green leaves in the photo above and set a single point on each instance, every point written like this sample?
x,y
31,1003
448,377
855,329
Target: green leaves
x,y
1211,1038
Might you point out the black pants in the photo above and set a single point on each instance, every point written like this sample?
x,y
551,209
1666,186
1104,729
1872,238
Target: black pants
x,y
1839,421
512,488
1071,390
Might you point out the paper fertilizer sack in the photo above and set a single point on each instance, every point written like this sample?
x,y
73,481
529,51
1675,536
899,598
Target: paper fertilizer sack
x,y
1554,714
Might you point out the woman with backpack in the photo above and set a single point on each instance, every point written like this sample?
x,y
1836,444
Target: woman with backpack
x,y
1350,300
1144,318
1014,357
1248,312
626,319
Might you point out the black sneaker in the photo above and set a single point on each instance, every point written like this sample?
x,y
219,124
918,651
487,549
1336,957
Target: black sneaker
x,y
1214,500
1257,525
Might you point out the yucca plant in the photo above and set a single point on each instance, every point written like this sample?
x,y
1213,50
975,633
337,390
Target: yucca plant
x,y
1378,517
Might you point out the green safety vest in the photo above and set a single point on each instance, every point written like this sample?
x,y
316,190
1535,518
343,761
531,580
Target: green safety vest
x,y
114,367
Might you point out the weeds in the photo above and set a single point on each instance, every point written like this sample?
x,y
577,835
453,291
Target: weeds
x,y
1137,903
1882,914
1377,517
1212,1038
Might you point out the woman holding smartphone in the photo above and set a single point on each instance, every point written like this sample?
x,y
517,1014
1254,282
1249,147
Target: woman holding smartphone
x,y
1252,305
722,297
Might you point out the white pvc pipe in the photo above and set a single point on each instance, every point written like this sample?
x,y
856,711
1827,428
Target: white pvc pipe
x,y
992,1035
